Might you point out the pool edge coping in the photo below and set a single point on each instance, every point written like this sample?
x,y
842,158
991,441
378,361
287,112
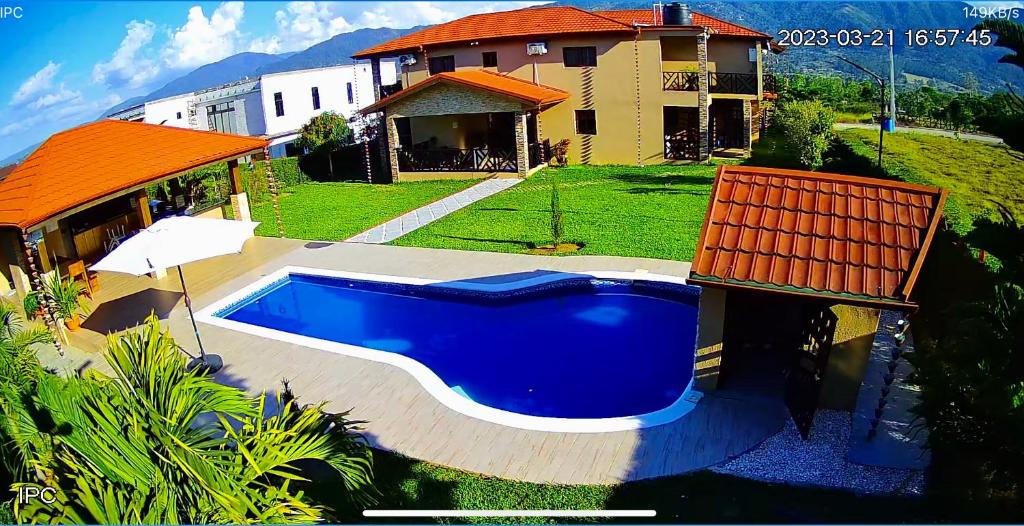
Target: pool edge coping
x,y
429,380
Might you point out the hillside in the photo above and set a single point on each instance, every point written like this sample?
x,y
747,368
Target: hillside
x,y
331,52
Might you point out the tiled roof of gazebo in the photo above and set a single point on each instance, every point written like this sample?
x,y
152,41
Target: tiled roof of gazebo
x,y
856,239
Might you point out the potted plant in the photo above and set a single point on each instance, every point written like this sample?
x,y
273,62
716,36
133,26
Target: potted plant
x,y
65,295
33,308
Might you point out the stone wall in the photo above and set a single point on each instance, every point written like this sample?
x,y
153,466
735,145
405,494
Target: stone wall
x,y
703,99
448,99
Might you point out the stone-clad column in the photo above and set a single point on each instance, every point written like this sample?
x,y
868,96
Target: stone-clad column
x,y
703,99
747,123
522,147
391,145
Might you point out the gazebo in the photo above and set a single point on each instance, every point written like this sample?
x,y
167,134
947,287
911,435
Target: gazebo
x,y
84,187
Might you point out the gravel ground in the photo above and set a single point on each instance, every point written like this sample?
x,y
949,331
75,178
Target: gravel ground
x,y
820,461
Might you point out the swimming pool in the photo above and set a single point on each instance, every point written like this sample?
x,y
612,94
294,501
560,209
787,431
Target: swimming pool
x,y
554,351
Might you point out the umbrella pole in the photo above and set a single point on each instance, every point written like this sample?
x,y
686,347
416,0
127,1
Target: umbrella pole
x,y
191,316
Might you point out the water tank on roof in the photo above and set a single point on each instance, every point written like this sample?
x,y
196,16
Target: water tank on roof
x,y
676,14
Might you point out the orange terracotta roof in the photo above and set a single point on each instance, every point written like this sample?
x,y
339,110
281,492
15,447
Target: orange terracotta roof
x,y
717,25
517,23
535,94
846,238
80,165
538,21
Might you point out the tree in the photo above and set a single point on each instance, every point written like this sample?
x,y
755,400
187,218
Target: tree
x,y
556,218
807,129
158,443
1010,35
324,134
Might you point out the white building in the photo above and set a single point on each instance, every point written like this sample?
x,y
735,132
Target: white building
x,y
292,98
275,105
169,111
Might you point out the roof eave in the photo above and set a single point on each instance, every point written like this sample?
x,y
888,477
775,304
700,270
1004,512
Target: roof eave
x,y
849,299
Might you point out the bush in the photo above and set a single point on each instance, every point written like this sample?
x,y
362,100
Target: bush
x,y
807,130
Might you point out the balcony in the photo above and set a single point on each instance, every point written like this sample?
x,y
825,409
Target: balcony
x,y
457,160
736,83
743,83
680,81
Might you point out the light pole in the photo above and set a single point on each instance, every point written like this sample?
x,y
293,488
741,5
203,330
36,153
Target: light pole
x,y
881,116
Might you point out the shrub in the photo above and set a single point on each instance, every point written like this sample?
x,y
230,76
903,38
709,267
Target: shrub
x,y
807,129
559,153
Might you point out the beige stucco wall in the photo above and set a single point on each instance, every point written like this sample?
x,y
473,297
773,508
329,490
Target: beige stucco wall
x,y
848,359
710,332
624,90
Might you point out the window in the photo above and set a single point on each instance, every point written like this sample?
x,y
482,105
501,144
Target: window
x,y
179,115
577,57
351,96
278,104
441,64
586,123
221,117
490,59
316,101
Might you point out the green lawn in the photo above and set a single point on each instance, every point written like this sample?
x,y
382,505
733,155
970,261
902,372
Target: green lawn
x,y
702,497
655,211
977,174
337,211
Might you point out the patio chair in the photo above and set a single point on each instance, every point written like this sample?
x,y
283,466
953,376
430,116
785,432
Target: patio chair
x,y
78,271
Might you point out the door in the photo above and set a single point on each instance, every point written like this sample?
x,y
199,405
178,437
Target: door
x,y
682,132
727,124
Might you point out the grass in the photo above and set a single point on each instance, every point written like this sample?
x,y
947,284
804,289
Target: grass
x,y
654,211
337,211
702,497
977,174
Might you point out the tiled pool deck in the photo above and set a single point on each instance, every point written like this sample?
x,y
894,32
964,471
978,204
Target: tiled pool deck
x,y
401,416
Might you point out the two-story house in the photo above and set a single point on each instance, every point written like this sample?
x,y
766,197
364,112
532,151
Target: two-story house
x,y
487,92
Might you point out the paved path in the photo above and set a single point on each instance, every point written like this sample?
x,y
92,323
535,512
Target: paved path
x,y
410,221
900,438
926,131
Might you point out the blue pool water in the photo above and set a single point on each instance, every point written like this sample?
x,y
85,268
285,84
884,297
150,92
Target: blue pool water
x,y
574,349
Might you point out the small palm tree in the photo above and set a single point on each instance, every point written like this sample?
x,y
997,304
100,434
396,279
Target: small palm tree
x,y
19,373
158,443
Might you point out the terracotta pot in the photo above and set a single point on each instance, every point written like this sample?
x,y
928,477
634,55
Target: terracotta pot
x,y
73,323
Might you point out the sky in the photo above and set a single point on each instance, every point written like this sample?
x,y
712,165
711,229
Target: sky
x,y
64,62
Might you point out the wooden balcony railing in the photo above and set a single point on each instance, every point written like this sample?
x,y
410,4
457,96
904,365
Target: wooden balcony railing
x,y
681,148
745,83
680,80
457,160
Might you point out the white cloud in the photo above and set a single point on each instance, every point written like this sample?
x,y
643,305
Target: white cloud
x,y
303,24
64,116
204,40
40,82
300,25
129,66
59,96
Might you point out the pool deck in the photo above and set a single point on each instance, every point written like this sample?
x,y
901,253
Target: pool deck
x,y
401,416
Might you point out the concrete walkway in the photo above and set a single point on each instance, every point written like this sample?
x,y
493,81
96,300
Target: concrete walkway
x,y
900,437
424,215
925,131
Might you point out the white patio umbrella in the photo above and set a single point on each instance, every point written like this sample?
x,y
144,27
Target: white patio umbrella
x,y
172,242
